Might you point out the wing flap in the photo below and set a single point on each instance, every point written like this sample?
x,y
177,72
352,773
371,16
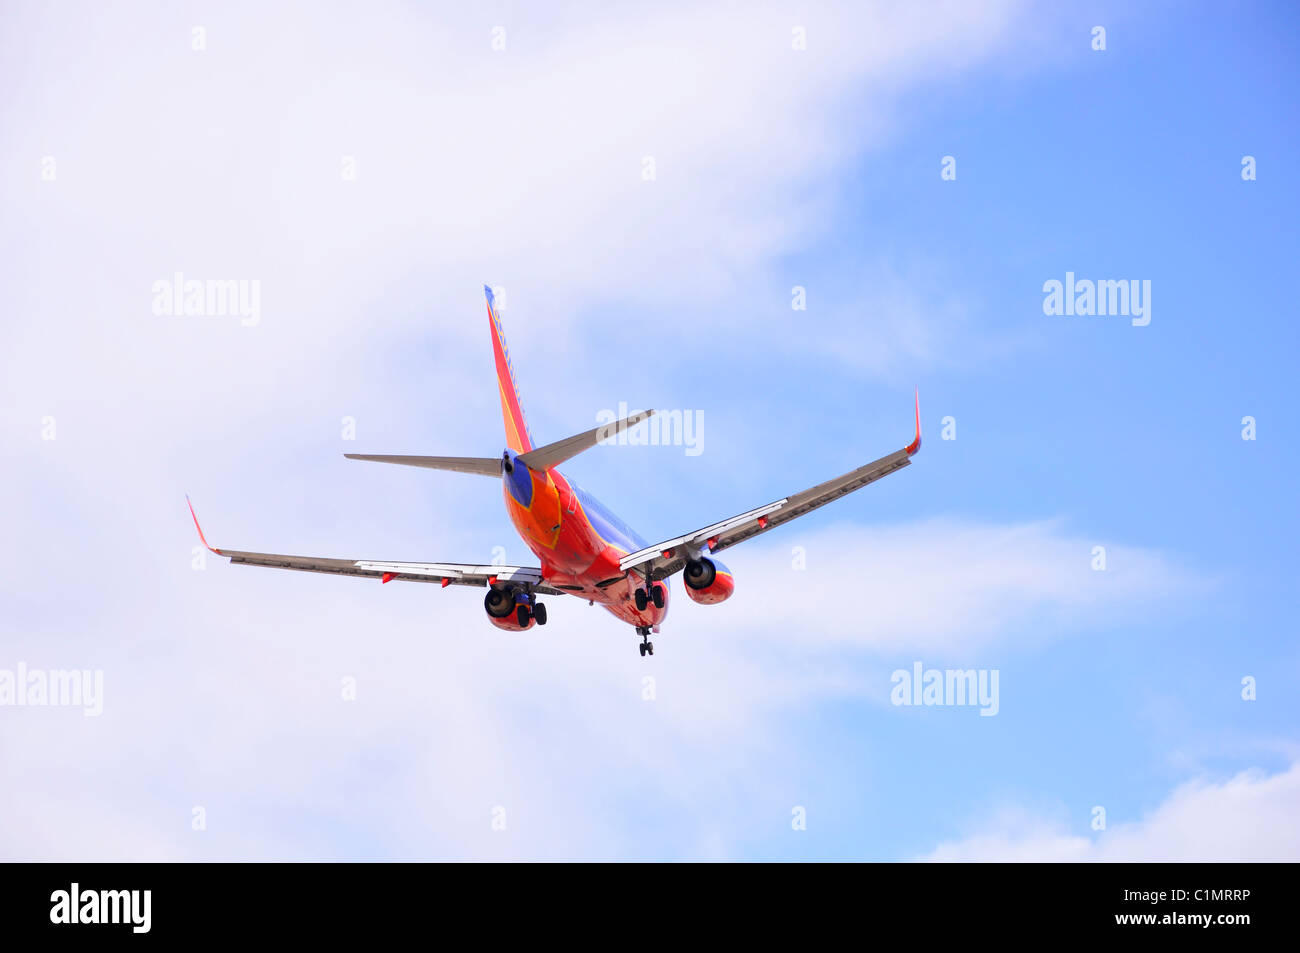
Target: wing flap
x,y
668,557
695,540
460,574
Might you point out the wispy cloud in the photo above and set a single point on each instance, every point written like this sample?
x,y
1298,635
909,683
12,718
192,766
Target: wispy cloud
x,y
947,585
1250,817
523,167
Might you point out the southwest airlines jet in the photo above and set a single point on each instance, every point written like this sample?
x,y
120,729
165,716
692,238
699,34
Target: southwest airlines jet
x,y
584,549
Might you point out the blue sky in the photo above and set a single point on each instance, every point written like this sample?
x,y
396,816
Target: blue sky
x,y
522,168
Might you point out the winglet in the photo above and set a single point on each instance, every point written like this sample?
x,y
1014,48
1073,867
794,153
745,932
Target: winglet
x,y
915,445
200,528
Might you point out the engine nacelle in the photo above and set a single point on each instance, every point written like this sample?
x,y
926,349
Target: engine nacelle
x,y
708,581
503,612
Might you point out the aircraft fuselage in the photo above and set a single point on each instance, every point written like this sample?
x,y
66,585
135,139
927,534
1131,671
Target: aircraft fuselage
x,y
577,539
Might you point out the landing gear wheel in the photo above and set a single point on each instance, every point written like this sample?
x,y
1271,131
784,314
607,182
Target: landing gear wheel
x,y
642,648
539,613
657,594
638,596
521,616
649,648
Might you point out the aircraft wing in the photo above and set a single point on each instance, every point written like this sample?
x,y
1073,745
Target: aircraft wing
x,y
664,559
459,574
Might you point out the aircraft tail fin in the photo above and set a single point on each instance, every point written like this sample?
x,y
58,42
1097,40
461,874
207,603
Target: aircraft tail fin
x,y
518,438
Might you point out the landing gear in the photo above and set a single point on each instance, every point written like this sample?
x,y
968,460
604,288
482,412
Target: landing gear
x,y
517,604
647,647
650,594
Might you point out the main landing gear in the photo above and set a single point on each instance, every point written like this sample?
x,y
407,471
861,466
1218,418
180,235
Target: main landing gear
x,y
647,647
650,594
523,613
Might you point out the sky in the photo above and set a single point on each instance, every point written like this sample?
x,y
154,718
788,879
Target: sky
x,y
778,219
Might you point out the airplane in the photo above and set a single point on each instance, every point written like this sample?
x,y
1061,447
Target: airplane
x,y
584,549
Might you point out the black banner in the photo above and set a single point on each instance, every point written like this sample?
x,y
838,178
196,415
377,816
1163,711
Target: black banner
x,y
980,902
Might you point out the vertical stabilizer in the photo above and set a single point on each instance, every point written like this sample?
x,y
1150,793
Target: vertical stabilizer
x,y
518,438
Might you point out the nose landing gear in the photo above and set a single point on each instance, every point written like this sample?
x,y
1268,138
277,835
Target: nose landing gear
x,y
647,647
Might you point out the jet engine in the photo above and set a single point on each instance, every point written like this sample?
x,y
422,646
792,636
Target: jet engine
x,y
506,608
708,581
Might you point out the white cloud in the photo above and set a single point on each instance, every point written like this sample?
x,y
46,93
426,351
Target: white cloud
x,y
1252,817
222,689
523,168
943,585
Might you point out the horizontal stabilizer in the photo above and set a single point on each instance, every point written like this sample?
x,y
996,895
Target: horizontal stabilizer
x,y
553,454
485,466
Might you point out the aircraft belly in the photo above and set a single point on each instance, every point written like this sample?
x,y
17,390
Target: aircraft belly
x,y
616,597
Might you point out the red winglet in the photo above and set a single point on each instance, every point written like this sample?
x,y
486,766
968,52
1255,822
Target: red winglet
x,y
388,577
446,581
915,445
200,528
